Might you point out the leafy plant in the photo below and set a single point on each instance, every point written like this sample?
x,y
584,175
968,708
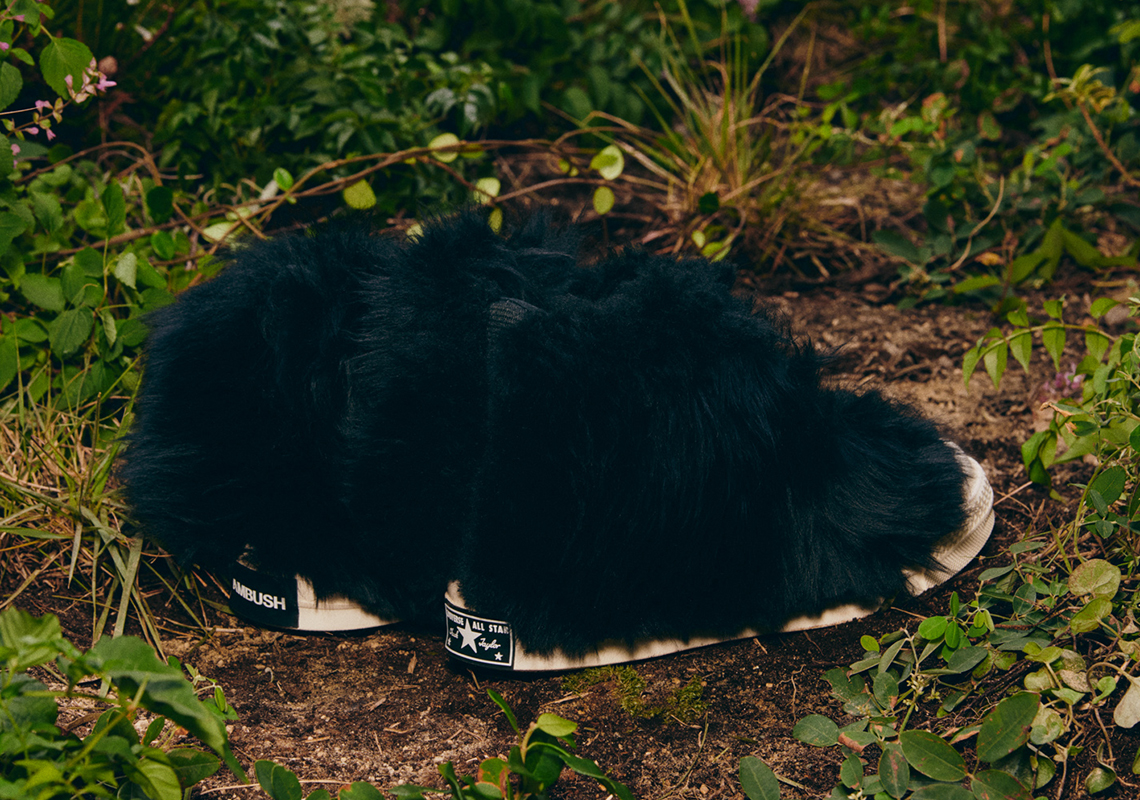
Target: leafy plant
x,y
1093,402
577,58
1055,629
720,162
1069,643
1015,212
531,769
39,759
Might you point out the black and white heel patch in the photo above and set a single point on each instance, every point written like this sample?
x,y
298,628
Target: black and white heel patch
x,y
479,640
263,599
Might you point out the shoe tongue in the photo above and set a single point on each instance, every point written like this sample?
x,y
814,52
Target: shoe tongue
x,y
506,312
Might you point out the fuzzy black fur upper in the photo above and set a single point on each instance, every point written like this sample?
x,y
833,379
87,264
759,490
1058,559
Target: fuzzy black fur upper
x,y
629,452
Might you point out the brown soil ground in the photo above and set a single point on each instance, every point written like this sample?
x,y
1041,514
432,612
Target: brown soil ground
x,y
389,706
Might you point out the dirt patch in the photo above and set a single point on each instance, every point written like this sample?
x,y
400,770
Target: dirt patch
x,y
388,707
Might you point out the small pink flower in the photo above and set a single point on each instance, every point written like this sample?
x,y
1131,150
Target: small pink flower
x,y
67,80
19,18
4,45
50,134
42,104
104,84
33,130
15,149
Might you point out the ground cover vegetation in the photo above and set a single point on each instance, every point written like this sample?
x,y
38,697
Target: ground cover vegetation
x,y
142,137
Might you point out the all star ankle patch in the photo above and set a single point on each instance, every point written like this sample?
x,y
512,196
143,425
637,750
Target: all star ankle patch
x,y
477,639
263,599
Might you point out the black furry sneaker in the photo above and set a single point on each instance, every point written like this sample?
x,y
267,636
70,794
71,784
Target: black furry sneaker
x,y
665,469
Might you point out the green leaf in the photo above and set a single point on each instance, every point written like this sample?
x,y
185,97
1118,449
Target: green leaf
x,y
360,791
885,687
932,628
1054,308
28,641
1101,306
1018,317
9,360
11,226
284,178
445,140
487,189
1007,726
995,360
163,245
1082,252
1021,345
603,200
501,703
757,780
870,643
110,329
817,730
1023,266
988,126
1052,247
894,772
555,725
1127,712
1096,577
90,261
1088,618
160,203
1099,779
970,363
843,687
63,57
851,771
1096,343
932,756
942,791
898,245
360,196
193,765
1054,339
1110,484
48,211
115,207
976,282
90,216
992,784
277,781
1047,726
71,281
966,659
11,82
609,162
158,780
70,330
126,269
132,332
